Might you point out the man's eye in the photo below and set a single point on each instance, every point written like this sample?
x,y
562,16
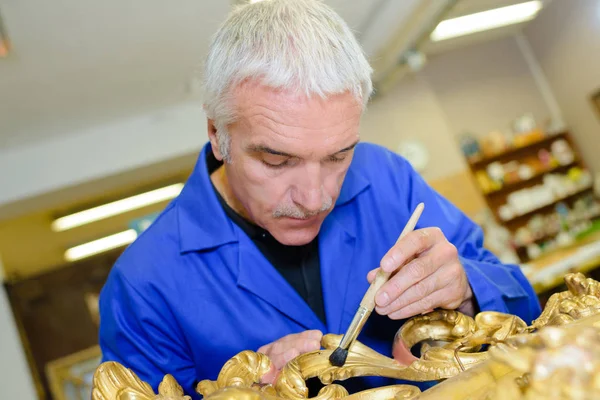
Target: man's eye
x,y
276,165
337,159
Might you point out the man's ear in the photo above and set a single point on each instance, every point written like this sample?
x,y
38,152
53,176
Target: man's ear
x,y
212,136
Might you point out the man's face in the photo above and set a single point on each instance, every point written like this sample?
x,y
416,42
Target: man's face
x,y
289,156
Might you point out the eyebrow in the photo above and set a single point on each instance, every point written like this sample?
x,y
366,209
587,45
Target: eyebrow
x,y
259,148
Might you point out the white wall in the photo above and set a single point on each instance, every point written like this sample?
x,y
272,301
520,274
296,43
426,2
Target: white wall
x,y
412,111
483,87
15,378
100,151
565,39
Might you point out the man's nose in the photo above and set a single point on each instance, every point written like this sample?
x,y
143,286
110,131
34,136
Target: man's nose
x,y
311,200
309,189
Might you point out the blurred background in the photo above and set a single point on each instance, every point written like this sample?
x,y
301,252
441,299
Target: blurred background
x,y
495,102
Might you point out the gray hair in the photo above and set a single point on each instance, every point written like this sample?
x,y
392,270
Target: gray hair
x,y
299,45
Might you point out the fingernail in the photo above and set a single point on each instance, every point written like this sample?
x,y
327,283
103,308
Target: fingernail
x,y
382,299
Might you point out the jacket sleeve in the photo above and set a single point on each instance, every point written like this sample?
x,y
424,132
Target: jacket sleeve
x,y
142,335
496,286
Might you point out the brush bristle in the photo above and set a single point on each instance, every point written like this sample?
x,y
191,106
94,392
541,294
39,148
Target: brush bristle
x,y
338,357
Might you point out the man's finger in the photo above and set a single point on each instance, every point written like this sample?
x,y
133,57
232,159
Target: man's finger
x,y
314,334
300,345
371,275
291,340
419,307
280,359
271,376
408,276
411,245
305,346
279,346
309,345
418,291
278,362
288,356
311,334
265,349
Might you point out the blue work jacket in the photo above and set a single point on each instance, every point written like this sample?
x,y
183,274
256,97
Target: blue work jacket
x,y
193,290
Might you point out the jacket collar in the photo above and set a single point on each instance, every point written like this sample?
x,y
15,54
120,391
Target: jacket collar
x,y
203,224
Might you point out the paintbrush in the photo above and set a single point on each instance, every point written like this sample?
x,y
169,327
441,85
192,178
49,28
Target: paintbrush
x,y
338,357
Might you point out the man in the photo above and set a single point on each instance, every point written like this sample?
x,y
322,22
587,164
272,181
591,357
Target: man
x,y
271,241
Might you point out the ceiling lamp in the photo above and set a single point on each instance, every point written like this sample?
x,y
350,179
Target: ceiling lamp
x,y
116,207
101,245
486,20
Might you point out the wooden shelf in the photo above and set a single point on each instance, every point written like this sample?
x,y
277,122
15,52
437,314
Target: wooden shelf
x,y
546,207
517,152
528,154
553,235
513,186
548,271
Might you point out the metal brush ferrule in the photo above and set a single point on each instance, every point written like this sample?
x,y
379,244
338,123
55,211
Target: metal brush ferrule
x,y
361,316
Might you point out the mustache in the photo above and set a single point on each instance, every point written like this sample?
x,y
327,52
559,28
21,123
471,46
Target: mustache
x,y
294,211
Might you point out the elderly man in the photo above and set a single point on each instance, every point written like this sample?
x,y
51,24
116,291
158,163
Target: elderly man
x,y
271,241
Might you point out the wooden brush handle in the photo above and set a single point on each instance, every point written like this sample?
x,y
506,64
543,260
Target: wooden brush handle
x,y
382,277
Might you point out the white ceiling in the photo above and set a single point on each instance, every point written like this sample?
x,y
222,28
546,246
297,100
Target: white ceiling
x,y
76,63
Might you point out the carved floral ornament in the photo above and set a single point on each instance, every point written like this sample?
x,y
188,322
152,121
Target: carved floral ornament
x,y
557,356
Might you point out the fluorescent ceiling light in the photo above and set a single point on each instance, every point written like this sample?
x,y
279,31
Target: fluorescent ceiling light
x,y
101,245
116,207
485,20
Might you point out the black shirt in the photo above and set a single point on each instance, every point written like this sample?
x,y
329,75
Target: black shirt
x,y
299,265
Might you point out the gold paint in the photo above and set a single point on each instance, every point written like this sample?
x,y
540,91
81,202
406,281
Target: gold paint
x,y
558,355
112,381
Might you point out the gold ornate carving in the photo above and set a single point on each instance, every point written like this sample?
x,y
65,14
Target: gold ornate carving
x,y
244,370
461,337
521,362
561,362
579,301
397,392
361,361
112,381
556,363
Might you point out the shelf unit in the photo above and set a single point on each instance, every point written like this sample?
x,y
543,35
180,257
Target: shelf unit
x,y
519,152
496,198
547,207
534,180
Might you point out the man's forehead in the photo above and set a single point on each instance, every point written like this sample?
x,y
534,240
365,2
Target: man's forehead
x,y
252,97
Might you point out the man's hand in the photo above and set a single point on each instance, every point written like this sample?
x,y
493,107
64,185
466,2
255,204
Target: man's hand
x,y
287,348
427,274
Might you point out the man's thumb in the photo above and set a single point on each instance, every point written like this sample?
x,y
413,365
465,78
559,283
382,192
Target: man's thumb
x,y
271,376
